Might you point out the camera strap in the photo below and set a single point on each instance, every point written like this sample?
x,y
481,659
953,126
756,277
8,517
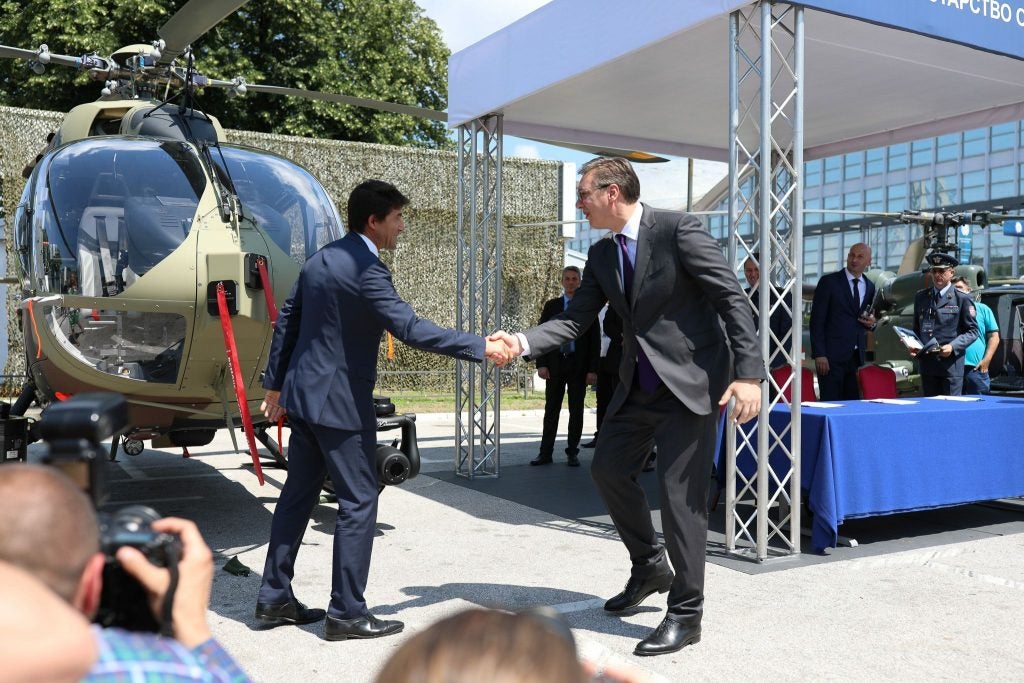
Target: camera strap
x,y
167,609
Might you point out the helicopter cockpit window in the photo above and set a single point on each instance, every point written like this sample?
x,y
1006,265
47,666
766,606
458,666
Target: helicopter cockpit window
x,y
283,199
114,209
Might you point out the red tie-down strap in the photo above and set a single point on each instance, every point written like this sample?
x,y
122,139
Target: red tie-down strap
x,y
268,293
236,378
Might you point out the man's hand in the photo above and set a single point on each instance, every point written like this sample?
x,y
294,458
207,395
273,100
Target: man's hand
x,y
195,580
946,350
983,366
747,393
867,320
544,374
271,406
510,340
821,365
497,352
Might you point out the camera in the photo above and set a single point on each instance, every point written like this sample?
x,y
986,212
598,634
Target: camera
x,y
123,602
73,431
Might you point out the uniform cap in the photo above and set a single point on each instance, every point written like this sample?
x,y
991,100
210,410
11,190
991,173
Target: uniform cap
x,y
938,259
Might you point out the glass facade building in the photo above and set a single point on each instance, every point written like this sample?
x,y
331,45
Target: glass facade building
x,y
980,169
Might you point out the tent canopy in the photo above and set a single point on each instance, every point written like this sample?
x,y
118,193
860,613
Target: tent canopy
x,y
653,75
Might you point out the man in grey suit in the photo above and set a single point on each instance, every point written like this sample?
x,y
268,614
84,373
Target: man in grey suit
x,y
321,371
682,313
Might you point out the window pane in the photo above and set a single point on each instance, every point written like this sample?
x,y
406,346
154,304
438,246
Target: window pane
x,y
974,186
897,157
874,163
921,196
854,165
812,173
1001,182
946,191
1003,136
975,142
833,170
874,199
948,147
921,152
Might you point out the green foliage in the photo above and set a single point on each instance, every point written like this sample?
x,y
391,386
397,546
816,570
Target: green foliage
x,y
377,49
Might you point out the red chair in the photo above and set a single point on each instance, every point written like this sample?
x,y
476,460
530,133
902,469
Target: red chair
x,y
876,382
781,376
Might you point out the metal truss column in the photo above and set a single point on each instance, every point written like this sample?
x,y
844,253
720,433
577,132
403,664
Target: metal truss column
x,y
478,287
766,218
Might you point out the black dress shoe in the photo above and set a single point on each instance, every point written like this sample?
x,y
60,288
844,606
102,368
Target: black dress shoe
x,y
542,460
670,636
573,460
591,443
279,614
637,590
368,626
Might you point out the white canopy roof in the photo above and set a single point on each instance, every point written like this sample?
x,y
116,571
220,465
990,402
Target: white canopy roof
x,y
652,75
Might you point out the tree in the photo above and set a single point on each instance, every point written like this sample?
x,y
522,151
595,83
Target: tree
x,y
377,49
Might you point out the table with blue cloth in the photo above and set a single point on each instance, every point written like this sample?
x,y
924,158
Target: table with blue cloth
x,y
863,458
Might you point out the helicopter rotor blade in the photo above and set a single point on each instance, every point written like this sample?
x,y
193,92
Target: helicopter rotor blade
x,y
84,62
421,112
913,257
190,22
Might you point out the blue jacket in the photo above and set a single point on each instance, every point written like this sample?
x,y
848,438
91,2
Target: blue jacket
x,y
323,358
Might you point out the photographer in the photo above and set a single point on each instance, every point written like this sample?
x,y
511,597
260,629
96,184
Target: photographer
x,y
50,530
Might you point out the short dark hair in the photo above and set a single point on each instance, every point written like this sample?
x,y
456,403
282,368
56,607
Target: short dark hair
x,y
575,269
960,278
614,171
373,198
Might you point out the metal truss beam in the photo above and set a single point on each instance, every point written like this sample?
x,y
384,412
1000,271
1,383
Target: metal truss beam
x,y
765,217
478,287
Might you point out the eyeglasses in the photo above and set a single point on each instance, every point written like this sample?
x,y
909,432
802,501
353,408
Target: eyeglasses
x,y
581,195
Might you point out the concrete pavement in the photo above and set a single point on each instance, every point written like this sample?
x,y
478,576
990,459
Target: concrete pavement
x,y
938,613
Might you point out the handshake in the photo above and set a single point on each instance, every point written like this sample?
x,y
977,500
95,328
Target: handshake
x,y
501,347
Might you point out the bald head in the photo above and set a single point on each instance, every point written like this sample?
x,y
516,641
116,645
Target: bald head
x,y
47,526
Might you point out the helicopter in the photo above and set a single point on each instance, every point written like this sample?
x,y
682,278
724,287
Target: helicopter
x,y
149,250
949,233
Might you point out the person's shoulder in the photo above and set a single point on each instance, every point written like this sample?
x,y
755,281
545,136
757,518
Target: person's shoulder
x,y
119,646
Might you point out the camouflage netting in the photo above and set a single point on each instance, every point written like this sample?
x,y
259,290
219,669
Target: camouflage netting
x,y
424,262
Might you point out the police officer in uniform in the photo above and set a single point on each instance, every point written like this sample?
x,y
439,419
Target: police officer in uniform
x,y
947,314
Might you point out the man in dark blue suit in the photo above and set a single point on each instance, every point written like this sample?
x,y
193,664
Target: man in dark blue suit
x,y
321,372
841,316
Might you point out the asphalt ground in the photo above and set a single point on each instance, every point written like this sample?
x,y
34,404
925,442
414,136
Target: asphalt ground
x,y
945,608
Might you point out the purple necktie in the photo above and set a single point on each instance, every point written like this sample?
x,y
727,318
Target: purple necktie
x,y
647,377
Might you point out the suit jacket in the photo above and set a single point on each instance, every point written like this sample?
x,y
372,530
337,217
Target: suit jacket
x,y
684,305
323,358
835,329
951,321
780,322
588,347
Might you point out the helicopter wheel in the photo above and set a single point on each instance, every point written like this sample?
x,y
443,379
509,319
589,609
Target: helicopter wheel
x,y
133,446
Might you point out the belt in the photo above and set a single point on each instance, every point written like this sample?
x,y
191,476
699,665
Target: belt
x,y
970,368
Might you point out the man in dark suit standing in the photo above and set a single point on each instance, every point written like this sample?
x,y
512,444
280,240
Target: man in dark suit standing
x,y
780,320
841,315
682,313
321,371
572,367
607,366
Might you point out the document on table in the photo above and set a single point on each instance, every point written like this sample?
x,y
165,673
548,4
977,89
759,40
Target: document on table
x,y
956,398
820,404
893,401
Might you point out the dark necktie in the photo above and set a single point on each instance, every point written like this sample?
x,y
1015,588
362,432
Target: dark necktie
x,y
856,292
646,376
